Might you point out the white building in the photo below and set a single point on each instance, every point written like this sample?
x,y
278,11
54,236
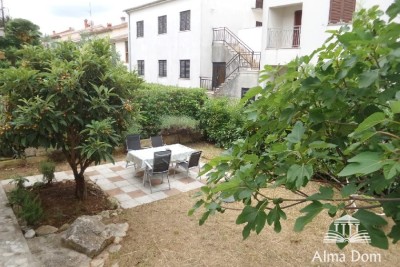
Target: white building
x,y
297,27
216,44
118,35
193,43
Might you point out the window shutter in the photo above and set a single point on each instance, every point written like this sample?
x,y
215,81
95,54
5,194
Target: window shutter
x,y
341,10
348,9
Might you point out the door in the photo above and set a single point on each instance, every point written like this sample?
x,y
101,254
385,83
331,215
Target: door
x,y
297,28
219,72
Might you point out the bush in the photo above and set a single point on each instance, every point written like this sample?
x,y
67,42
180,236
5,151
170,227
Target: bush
x,y
24,203
47,168
221,121
156,101
179,123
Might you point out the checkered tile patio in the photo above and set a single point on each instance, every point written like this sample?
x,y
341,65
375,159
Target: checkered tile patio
x,y
122,184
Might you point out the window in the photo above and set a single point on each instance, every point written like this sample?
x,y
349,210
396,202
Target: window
x,y
162,68
126,52
185,21
259,3
140,67
139,28
341,11
162,24
258,23
185,69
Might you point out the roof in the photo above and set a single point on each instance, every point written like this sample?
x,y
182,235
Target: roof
x,y
151,4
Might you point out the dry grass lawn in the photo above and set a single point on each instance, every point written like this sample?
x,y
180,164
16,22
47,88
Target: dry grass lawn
x,y
162,234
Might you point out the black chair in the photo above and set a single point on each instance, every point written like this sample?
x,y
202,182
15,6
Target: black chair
x,y
132,142
156,141
194,161
161,162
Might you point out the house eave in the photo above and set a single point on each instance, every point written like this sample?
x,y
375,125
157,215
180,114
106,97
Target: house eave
x,y
155,3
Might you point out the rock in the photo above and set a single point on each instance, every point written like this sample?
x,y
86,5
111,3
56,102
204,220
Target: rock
x,y
46,230
88,235
105,214
30,234
63,227
48,251
114,203
118,230
97,263
114,248
115,265
117,240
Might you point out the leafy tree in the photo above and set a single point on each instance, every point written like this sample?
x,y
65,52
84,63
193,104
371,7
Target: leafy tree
x,y
336,122
71,98
20,32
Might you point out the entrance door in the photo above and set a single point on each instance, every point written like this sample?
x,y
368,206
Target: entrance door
x,y
219,72
297,28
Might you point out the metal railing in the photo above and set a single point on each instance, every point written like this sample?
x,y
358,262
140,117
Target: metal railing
x,y
206,83
284,37
242,60
223,34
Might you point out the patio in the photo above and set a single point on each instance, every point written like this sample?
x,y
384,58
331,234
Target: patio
x,y
120,182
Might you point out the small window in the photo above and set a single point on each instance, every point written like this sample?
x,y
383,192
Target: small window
x,y
185,21
185,69
259,3
162,24
258,24
162,68
126,52
140,67
139,28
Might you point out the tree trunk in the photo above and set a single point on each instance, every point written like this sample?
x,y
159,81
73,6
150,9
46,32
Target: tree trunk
x,y
80,189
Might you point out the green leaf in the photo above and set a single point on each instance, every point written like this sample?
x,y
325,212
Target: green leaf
x,y
195,207
312,210
372,223
224,186
255,219
298,175
348,190
325,193
393,10
368,77
395,106
395,233
363,163
391,170
371,121
297,133
321,144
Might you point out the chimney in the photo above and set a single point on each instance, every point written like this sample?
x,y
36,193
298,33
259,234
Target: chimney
x,y
54,32
109,25
122,19
86,23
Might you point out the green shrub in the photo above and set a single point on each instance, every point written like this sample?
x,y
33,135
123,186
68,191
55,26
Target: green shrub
x,y
156,101
221,120
47,168
24,203
179,122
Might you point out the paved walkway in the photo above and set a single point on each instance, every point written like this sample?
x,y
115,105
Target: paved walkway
x,y
114,179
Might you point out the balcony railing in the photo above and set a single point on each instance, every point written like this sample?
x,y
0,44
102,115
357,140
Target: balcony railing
x,y
284,37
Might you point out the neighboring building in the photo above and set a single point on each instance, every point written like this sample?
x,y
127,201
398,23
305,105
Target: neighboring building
x,y
118,35
296,28
193,43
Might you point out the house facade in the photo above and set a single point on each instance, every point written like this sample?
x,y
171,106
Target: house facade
x,y
118,35
297,27
193,43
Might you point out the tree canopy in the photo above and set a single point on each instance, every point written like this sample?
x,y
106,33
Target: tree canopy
x,y
20,32
73,98
336,121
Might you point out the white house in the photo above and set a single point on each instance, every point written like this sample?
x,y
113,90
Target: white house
x,y
193,43
118,35
297,27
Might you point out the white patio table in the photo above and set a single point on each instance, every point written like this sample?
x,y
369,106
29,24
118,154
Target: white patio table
x,y
139,157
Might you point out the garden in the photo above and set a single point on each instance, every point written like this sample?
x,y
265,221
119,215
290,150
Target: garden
x,y
320,141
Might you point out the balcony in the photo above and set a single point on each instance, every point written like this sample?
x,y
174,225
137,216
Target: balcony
x,y
283,38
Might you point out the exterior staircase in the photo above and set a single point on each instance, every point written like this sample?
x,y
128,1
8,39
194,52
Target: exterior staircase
x,y
243,57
